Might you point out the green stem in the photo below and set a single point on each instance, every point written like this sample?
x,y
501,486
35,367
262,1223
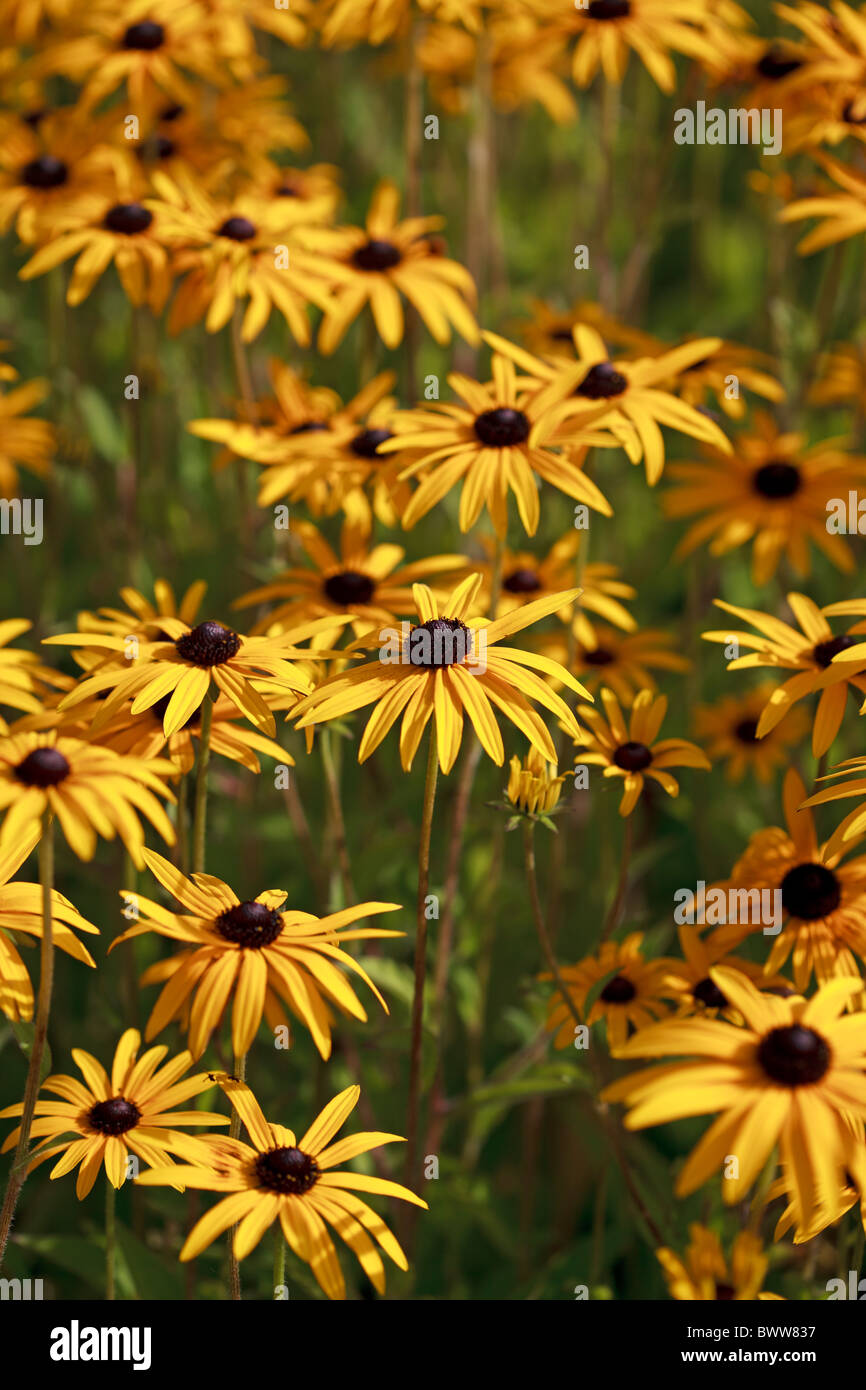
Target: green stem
x,y
199,822
43,1009
342,889
612,918
110,1235
415,1046
538,918
279,1259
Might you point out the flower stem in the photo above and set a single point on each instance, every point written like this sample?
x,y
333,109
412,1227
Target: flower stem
x,y
415,1047
342,889
199,821
279,1259
613,914
43,1008
110,1237
538,918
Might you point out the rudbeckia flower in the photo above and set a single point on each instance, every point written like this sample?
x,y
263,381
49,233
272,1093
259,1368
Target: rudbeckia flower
x,y
368,581
703,1273
24,681
53,168
21,911
93,792
632,398
823,900
181,661
841,378
525,62
24,442
854,824
728,730
607,30
533,786
624,661
631,997
448,663
630,751
380,262
487,444
526,577
254,950
712,375
143,613
277,1177
811,653
786,1079
842,209
130,1112
689,983
772,490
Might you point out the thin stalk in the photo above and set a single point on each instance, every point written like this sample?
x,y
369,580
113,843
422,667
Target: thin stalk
x,y
279,1276
110,1238
43,1009
199,820
415,1047
613,914
342,889
413,118
538,919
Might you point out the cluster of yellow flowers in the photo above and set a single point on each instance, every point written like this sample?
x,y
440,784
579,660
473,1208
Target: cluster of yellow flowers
x,y
152,136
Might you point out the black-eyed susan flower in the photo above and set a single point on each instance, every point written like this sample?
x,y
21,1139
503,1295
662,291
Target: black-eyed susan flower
x,y
369,581
486,445
631,997
810,653
449,663
853,770
630,398
21,911
841,378
608,30
703,1273
182,662
525,577
690,986
381,262
526,60
823,927
278,1177
715,374
533,787
840,208
130,1112
630,751
625,661
772,491
25,442
786,1079
728,731
56,167
93,792
253,951
24,680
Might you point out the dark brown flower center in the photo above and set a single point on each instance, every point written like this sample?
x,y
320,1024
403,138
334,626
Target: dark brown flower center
x,y
823,652
854,113
44,767
522,581
707,992
502,428
602,382
145,36
609,9
209,644
725,1292
172,113
350,587
599,656
377,255
286,190
439,642
160,709
309,427
794,1055
45,172
128,218
237,229
251,925
633,757
810,891
775,64
34,118
619,990
777,480
114,1116
287,1170
747,731
366,444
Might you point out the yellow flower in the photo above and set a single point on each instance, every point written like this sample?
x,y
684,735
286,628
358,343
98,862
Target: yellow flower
x,y
624,661
607,30
525,59
812,653
631,998
24,681
533,786
703,1273
689,984
841,377
729,731
447,664
380,262
788,1077
257,951
129,1112
842,209
773,491
93,792
526,577
24,442
631,398
631,752
280,1178
21,911
121,232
